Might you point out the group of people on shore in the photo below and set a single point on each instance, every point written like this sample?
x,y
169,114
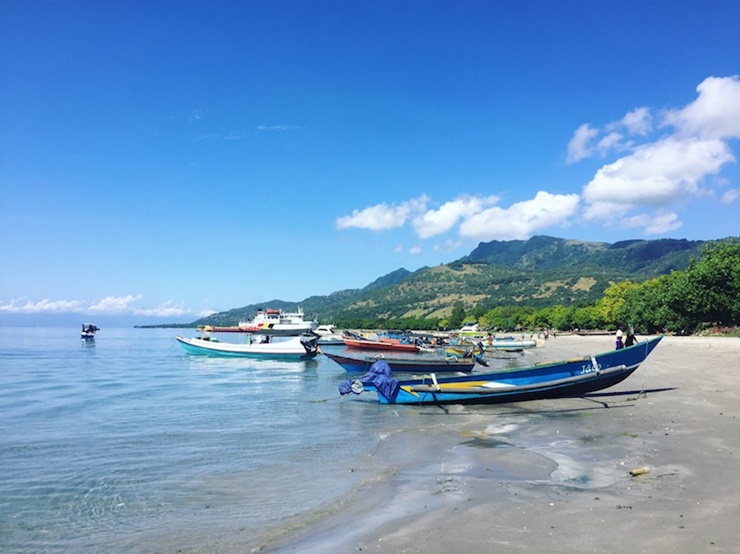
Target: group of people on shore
x,y
623,341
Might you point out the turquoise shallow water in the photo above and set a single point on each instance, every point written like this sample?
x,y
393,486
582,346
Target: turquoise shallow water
x,y
132,445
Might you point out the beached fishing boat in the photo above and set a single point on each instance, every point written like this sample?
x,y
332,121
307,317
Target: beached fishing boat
x,y
277,323
510,344
303,347
465,350
353,340
574,377
416,364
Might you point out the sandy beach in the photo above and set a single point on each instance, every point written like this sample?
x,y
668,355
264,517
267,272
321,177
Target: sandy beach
x,y
556,475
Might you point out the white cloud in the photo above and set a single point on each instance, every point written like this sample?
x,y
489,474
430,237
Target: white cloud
x,y
383,217
606,213
653,225
651,172
167,309
277,127
441,220
110,305
660,173
522,219
715,114
612,141
730,196
447,246
580,146
671,169
638,121
115,304
415,250
23,306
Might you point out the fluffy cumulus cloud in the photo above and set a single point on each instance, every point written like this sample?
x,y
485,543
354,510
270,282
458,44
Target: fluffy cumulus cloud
x,y
441,220
662,173
714,114
477,218
383,217
522,219
659,174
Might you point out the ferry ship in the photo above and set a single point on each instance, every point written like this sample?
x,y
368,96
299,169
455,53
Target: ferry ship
x,y
277,322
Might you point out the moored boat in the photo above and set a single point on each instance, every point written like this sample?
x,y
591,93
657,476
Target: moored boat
x,y
277,323
510,344
381,342
574,377
302,347
328,335
88,331
370,344
416,364
465,350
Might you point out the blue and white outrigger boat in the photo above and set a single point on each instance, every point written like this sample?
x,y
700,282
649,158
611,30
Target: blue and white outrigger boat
x,y
570,378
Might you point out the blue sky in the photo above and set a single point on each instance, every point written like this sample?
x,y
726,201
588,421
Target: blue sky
x,y
163,160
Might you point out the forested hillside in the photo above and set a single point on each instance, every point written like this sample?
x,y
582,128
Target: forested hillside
x,y
539,272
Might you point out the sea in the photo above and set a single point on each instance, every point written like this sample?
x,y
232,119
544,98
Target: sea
x,y
128,444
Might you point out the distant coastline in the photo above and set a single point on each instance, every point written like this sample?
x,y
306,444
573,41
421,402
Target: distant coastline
x,y
167,326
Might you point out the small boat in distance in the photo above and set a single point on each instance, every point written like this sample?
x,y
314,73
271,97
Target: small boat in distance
x,y
297,348
328,335
570,378
277,323
88,331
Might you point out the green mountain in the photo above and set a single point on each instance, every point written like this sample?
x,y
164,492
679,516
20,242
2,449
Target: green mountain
x,y
541,271
641,257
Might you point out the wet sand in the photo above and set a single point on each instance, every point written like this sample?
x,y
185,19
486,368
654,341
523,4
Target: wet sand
x,y
555,475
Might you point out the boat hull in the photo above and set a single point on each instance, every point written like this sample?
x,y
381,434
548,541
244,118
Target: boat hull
x,y
297,348
276,329
513,345
367,344
570,378
402,365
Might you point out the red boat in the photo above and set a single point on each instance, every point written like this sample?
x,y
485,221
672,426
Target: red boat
x,y
368,344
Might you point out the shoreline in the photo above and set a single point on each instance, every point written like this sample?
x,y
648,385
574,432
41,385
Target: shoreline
x,y
555,474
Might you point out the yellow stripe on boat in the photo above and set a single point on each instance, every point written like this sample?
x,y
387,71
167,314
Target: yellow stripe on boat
x,y
443,386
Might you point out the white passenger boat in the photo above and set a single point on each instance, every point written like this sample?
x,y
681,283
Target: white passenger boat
x,y
278,323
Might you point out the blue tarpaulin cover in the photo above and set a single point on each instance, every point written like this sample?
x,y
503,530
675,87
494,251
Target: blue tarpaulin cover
x,y
380,376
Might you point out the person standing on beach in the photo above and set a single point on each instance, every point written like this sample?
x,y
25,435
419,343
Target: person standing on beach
x,y
631,339
619,344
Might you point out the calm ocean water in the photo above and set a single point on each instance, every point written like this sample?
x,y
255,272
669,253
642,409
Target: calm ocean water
x,y
131,445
